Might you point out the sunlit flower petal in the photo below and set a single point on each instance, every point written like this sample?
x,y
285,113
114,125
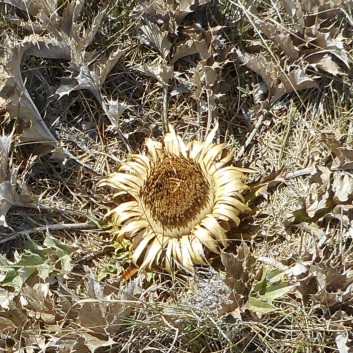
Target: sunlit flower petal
x,y
178,200
141,247
214,229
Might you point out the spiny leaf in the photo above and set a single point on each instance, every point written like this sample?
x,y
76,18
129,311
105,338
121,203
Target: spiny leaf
x,y
157,38
40,261
18,272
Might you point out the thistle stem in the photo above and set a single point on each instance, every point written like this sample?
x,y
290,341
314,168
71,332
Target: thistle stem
x,y
27,232
165,108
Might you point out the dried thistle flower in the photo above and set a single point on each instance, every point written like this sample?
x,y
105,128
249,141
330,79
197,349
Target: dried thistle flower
x,y
178,199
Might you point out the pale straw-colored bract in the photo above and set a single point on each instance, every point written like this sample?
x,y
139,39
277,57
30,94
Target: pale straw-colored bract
x,y
178,199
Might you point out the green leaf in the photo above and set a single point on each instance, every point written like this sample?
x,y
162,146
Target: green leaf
x,y
66,265
29,259
275,291
44,270
260,287
274,275
10,278
36,260
18,273
258,306
62,249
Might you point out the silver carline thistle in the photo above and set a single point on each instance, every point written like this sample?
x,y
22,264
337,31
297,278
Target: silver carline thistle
x,y
178,199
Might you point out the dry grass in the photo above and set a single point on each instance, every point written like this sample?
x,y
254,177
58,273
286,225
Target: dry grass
x,y
61,273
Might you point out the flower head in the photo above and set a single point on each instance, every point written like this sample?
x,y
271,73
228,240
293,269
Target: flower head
x,y
178,200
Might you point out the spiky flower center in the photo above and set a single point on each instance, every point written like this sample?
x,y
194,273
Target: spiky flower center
x,y
175,191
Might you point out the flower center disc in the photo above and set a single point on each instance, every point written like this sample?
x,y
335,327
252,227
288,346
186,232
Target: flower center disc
x,y
175,192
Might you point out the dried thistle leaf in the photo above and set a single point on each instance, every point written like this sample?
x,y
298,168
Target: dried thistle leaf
x,y
260,65
34,7
324,43
7,326
291,7
238,268
279,35
9,196
278,82
294,81
44,11
325,63
106,311
114,110
156,38
18,101
68,40
176,10
161,72
184,49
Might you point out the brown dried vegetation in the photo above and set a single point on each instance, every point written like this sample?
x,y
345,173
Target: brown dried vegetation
x,y
84,83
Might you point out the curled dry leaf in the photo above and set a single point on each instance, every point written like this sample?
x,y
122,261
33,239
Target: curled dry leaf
x,y
6,297
342,186
38,302
11,192
343,342
342,156
93,343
